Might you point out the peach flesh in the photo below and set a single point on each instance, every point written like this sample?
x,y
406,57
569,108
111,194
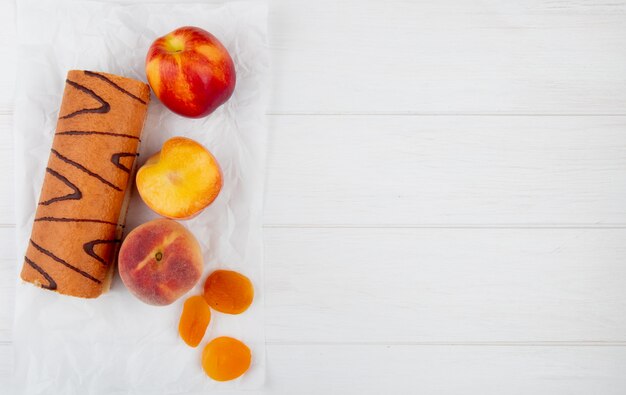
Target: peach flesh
x,y
181,180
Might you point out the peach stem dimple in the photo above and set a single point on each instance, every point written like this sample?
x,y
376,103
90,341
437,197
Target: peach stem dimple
x,y
158,256
163,246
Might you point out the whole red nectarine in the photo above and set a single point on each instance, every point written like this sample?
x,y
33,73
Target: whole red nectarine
x,y
190,71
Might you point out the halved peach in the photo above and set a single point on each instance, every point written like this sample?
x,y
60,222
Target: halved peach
x,y
181,180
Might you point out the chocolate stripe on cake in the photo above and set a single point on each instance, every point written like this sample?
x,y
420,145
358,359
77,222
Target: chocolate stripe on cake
x,y
52,285
113,84
97,136
76,195
63,219
81,167
90,132
63,262
115,158
103,109
88,247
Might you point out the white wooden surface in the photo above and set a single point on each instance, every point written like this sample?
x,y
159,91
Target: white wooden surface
x,y
445,200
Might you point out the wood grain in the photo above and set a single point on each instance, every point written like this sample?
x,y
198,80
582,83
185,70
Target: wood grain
x,y
412,248
390,369
438,285
403,369
433,171
425,171
444,57
7,194
8,279
8,65
445,285
448,57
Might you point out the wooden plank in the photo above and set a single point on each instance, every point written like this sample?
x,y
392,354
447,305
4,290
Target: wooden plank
x,y
388,369
438,285
466,170
425,171
8,43
8,278
448,57
443,56
6,362
445,285
7,198
402,369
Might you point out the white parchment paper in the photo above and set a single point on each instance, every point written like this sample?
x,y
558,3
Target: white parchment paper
x,y
116,344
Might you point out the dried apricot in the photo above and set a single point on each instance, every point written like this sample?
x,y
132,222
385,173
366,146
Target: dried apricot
x,y
228,292
194,320
225,358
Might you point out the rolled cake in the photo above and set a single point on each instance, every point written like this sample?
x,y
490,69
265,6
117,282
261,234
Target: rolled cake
x,y
82,206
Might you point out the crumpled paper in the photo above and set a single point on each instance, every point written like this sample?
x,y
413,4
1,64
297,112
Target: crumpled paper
x,y
116,344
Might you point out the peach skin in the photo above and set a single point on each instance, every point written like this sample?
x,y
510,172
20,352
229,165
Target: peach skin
x,y
160,261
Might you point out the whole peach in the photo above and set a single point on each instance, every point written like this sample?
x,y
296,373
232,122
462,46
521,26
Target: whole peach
x,y
160,261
